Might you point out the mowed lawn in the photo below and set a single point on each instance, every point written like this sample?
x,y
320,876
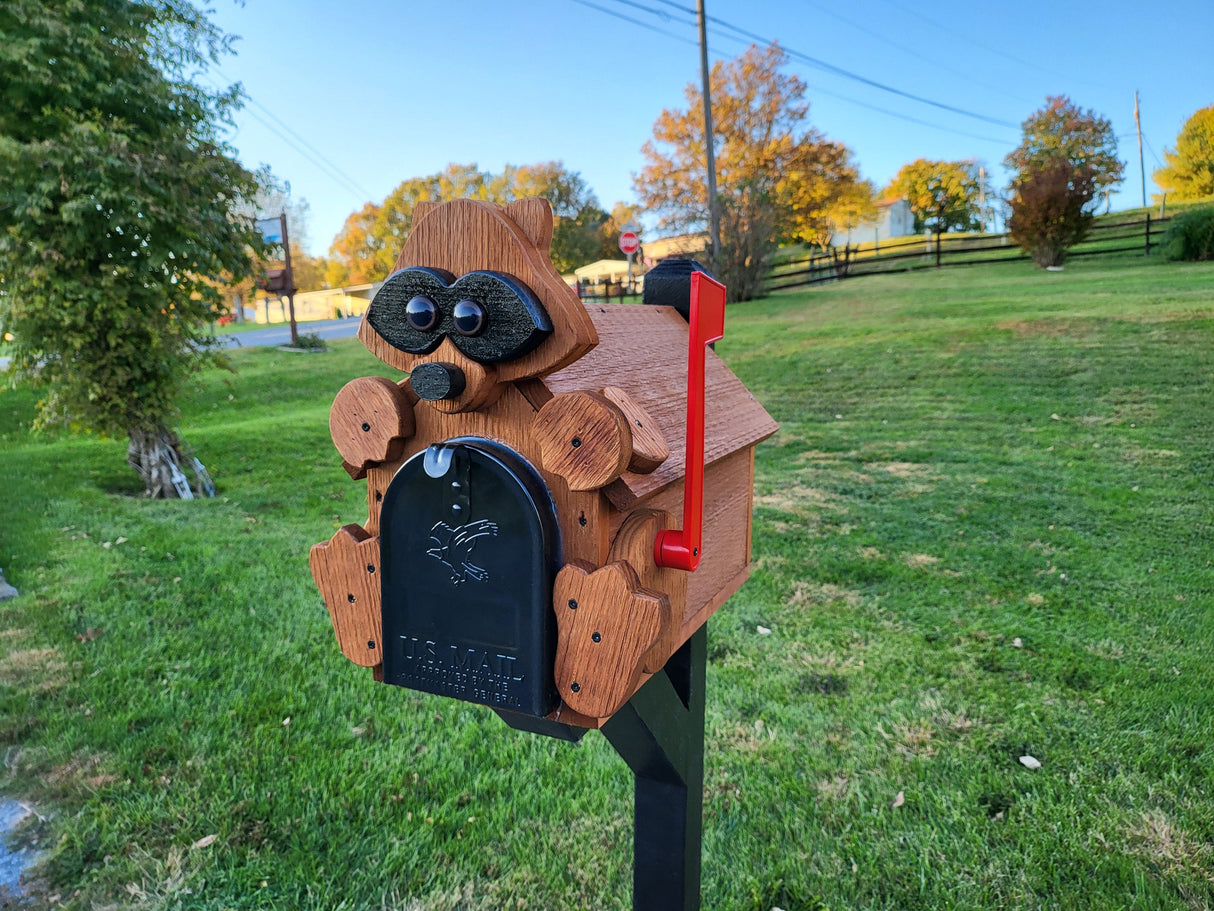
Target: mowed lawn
x,y
983,532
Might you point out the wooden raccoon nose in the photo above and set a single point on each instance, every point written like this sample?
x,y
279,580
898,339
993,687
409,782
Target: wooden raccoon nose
x,y
435,382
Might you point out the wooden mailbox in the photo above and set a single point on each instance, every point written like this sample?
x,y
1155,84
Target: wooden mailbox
x,y
520,477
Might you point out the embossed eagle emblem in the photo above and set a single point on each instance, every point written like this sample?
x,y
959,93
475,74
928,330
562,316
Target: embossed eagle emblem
x,y
453,548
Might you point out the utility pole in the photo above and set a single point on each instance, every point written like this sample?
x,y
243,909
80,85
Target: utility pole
x,y
982,196
714,213
286,251
1141,168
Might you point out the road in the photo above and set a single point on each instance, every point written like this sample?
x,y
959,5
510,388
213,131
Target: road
x,y
280,335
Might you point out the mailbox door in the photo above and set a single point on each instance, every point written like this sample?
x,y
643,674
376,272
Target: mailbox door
x,y
469,546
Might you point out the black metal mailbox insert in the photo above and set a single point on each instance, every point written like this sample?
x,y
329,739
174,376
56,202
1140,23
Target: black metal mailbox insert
x,y
469,549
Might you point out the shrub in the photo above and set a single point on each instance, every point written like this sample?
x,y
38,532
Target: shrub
x,y
311,341
1190,235
1049,205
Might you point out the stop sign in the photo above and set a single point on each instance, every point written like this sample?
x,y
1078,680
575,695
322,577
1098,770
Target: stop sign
x,y
629,242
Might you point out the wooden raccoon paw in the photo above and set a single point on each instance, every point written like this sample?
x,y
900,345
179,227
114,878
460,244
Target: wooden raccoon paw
x,y
346,570
370,419
606,624
584,438
649,449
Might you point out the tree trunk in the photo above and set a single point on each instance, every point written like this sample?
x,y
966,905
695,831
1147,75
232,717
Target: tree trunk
x,y
155,452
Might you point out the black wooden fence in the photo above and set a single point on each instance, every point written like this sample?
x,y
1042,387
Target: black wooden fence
x,y
937,251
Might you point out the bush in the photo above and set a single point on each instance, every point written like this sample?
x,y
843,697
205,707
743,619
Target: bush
x,y
311,341
1049,209
1190,235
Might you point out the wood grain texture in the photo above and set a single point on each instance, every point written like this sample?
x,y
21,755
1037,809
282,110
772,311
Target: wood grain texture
x,y
346,570
584,438
633,545
481,386
369,421
649,449
583,515
534,216
467,235
727,508
606,623
643,350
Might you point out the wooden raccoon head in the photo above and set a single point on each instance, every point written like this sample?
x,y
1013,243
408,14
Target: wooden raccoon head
x,y
475,302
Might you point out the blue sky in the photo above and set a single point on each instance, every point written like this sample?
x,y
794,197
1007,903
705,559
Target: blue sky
x,y
348,99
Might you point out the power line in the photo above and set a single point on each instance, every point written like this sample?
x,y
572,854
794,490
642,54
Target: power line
x,y
301,145
634,21
831,68
991,50
908,118
908,50
1151,149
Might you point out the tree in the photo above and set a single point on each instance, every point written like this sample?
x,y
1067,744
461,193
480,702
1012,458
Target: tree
x,y
1082,137
1049,209
366,248
776,176
1066,158
117,214
855,206
943,195
1189,172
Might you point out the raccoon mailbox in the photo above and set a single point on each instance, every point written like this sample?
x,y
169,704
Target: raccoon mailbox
x,y
559,497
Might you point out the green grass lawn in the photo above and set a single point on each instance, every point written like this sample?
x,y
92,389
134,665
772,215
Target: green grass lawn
x,y
983,532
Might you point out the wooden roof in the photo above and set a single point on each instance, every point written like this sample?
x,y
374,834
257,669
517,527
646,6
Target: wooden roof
x,y
643,350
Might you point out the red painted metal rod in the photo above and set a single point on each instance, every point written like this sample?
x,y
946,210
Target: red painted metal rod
x,y
681,549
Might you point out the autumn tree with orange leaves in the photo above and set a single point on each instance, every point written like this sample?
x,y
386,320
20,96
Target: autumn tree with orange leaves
x,y
778,178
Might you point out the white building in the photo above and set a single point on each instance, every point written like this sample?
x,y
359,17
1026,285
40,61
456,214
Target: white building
x,y
894,219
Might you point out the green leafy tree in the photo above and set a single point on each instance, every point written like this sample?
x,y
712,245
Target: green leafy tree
x,y
117,214
943,195
777,177
1083,138
1189,172
367,246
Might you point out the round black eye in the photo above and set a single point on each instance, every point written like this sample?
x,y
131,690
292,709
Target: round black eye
x,y
421,314
469,318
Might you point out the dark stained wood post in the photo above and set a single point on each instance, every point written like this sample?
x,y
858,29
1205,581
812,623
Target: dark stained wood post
x,y
660,734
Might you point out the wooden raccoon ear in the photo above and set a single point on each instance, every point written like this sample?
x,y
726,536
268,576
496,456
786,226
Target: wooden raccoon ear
x,y
534,217
420,208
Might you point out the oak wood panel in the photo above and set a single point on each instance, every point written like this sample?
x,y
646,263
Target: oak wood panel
x,y
583,515
369,420
726,547
346,570
649,449
584,438
634,545
643,350
607,623
467,235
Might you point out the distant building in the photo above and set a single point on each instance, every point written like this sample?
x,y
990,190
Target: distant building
x,y
329,303
894,219
605,270
681,246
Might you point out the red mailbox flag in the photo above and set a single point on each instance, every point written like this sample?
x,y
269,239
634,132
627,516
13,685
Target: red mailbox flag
x,y
681,549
